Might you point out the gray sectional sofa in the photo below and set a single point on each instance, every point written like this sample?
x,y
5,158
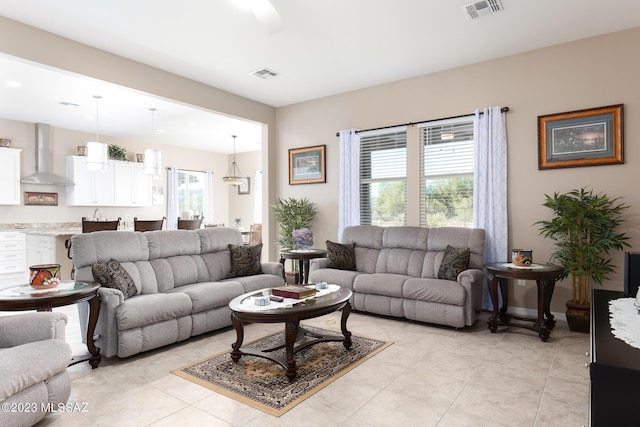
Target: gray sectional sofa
x,y
397,273
182,285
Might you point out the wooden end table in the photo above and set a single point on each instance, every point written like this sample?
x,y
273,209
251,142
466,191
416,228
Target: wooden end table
x,y
545,277
303,257
72,293
244,311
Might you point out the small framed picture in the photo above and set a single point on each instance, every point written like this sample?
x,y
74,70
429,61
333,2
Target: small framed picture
x,y
307,165
590,137
244,187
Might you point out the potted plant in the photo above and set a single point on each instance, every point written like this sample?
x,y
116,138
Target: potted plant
x,y
292,214
116,152
584,226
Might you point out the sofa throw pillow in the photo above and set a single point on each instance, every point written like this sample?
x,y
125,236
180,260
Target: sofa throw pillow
x,y
245,260
341,257
112,275
455,261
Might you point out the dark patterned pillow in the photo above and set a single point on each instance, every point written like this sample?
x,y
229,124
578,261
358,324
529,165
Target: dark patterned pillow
x,y
245,260
112,275
455,261
342,257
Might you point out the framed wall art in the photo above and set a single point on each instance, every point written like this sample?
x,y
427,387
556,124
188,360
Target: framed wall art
x,y
40,199
589,137
244,187
307,165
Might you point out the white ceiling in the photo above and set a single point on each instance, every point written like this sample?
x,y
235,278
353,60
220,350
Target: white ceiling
x,y
325,47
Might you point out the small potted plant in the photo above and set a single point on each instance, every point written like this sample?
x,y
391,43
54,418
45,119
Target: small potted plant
x,y
117,152
584,226
292,214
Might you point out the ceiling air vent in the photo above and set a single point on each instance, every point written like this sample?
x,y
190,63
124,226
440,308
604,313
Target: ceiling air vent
x,y
264,73
481,8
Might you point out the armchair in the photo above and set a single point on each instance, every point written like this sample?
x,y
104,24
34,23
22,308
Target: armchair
x,y
33,365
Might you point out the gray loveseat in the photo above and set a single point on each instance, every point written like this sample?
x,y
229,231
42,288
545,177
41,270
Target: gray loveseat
x,y
182,282
33,367
397,273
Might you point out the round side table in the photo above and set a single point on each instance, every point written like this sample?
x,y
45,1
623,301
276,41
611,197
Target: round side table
x,y
303,257
20,298
545,277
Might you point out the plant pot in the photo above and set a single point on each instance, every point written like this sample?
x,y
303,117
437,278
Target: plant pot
x,y
578,317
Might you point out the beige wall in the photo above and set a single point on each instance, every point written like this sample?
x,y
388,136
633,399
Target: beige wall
x,y
243,205
589,73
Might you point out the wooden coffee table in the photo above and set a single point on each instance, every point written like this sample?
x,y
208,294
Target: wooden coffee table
x,y
68,292
243,310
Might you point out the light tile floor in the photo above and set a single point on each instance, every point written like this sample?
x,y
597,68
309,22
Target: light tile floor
x,y
430,376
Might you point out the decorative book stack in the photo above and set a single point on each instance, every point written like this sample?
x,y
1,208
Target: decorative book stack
x,y
293,291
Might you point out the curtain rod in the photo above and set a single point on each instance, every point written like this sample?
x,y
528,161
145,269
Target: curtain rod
x,y
186,170
502,110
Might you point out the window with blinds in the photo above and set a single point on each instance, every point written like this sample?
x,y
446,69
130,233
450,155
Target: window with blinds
x,y
446,165
383,178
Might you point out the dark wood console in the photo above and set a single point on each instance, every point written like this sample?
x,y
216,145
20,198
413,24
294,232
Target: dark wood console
x,y
614,369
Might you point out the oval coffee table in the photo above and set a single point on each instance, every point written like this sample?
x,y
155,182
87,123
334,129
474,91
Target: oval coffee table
x,y
243,309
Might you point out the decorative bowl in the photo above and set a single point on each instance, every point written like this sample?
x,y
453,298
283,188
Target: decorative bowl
x,y
44,276
522,257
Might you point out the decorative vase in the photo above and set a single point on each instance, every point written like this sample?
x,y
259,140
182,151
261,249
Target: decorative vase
x,y
522,257
82,150
140,158
302,238
578,317
44,276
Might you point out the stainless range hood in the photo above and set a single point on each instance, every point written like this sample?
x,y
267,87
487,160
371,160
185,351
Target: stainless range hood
x,y
43,173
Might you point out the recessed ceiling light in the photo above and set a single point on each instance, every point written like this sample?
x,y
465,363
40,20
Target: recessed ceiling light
x,y
159,130
13,83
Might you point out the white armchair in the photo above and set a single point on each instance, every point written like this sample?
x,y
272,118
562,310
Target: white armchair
x,y
33,366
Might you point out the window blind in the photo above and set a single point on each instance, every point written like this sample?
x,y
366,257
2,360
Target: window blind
x,y
446,165
383,176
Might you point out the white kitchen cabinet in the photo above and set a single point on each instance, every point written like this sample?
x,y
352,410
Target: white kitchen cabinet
x,y
91,188
9,176
122,184
13,269
41,249
132,186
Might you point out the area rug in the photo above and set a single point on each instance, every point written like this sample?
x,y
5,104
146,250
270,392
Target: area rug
x,y
262,384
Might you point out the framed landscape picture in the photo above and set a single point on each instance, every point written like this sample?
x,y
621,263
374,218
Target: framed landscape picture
x,y
307,165
581,138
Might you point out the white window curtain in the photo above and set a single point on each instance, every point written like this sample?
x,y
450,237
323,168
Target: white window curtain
x,y
207,200
257,203
490,186
172,198
349,193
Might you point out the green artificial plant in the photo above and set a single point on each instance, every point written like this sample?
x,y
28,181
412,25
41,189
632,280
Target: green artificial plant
x,y
584,226
292,214
117,152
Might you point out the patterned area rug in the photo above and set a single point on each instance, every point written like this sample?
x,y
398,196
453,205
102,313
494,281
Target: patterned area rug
x,y
262,384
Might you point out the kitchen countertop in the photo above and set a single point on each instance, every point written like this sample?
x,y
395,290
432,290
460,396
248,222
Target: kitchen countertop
x,y
44,228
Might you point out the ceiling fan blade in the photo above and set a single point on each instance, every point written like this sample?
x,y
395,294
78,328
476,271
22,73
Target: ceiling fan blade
x,y
268,16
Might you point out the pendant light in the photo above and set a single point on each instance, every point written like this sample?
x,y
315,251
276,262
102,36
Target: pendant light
x,y
153,158
233,177
97,156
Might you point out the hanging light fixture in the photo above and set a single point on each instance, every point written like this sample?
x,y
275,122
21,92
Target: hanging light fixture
x,y
152,158
97,156
233,177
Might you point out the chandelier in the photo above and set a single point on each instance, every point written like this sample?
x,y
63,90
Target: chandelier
x,y
233,176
